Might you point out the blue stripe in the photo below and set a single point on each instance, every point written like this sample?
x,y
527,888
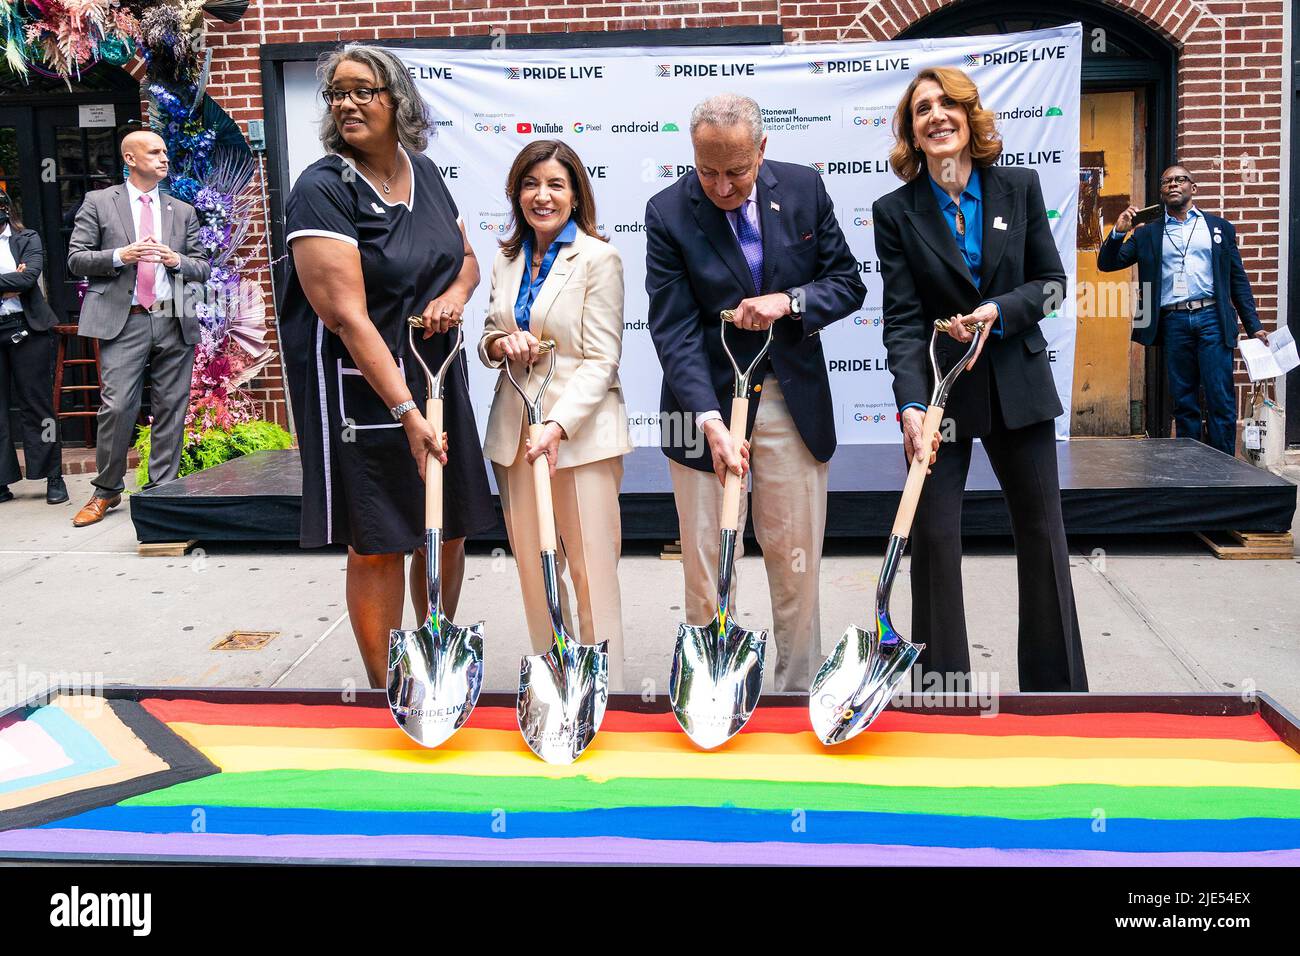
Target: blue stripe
x,y
78,743
721,825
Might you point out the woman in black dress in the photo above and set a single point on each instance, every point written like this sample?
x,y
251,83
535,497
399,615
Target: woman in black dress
x,y
375,237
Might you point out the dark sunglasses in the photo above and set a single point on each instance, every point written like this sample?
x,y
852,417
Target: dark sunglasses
x,y
361,95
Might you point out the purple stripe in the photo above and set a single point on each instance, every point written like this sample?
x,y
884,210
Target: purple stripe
x,y
585,850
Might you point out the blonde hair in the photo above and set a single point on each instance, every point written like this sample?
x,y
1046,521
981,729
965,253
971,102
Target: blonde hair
x,y
985,146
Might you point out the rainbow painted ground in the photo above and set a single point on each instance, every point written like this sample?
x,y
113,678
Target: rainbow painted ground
x,y
331,782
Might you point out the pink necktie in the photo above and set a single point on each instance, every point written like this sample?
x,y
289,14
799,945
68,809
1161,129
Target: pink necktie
x,y
145,272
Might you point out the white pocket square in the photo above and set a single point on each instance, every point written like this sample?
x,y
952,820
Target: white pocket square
x,y
999,224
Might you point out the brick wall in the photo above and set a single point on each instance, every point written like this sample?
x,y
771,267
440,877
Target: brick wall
x,y
1230,107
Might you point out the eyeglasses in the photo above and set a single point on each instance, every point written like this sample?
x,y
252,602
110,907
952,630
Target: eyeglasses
x,y
1175,180
361,95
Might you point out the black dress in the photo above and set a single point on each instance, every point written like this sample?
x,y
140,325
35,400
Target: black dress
x,y
360,483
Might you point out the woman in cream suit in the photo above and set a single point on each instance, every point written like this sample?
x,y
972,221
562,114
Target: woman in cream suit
x,y
555,278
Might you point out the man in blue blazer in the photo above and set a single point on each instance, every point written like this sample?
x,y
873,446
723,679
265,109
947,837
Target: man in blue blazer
x,y
1192,291
759,237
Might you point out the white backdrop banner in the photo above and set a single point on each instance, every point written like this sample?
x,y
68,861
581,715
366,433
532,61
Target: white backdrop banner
x,y
626,112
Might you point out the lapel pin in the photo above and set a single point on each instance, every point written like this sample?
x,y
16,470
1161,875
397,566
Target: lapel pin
x,y
999,224
776,206
807,236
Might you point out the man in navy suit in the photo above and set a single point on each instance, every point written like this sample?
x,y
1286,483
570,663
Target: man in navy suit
x,y
761,238
1193,290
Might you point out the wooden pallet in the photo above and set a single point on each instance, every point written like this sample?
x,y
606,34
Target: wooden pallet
x,y
1249,545
165,549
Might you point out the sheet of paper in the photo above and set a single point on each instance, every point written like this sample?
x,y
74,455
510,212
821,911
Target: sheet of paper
x,y
1259,359
1282,344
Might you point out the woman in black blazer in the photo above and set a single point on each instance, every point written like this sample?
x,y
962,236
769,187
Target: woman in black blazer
x,y
26,360
969,240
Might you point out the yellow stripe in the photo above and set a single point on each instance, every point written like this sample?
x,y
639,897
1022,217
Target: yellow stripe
x,y
602,765
910,745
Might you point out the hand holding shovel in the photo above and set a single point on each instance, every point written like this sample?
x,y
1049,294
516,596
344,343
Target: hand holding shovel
x,y
717,673
435,672
858,679
562,693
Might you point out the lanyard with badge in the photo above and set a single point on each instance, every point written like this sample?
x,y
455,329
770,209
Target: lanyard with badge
x,y
1180,290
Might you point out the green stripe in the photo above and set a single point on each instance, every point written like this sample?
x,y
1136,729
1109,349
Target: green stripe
x,y
370,790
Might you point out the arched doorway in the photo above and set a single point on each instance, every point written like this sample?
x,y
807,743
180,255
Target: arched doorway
x,y
1127,129
58,141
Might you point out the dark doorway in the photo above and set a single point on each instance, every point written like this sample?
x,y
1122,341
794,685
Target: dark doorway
x,y
1128,69
57,143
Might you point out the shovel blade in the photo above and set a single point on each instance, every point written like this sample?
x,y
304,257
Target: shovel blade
x,y
715,685
435,674
562,698
856,683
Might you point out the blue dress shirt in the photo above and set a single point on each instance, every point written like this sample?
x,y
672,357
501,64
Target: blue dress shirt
x,y
971,244
1192,237
528,286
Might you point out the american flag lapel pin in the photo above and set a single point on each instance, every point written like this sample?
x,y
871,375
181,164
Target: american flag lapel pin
x,y
776,206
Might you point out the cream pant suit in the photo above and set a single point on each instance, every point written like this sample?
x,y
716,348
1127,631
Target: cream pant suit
x,y
580,308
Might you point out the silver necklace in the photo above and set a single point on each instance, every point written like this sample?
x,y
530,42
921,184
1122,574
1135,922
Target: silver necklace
x,y
384,184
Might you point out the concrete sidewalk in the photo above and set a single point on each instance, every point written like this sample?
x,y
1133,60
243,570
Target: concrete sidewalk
x,y
1157,614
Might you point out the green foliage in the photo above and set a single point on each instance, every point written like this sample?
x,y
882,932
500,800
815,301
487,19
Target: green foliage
x,y
211,447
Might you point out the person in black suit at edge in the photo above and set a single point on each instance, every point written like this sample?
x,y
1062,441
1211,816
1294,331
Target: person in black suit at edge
x,y
969,240
760,237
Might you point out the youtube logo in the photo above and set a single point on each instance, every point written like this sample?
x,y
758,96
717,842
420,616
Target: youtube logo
x,y
524,128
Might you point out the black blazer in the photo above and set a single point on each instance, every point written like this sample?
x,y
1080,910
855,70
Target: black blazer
x,y
25,244
695,268
926,279
1145,244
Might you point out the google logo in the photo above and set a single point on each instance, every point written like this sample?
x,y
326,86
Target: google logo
x,y
870,120
873,419
500,227
863,320
489,128
861,221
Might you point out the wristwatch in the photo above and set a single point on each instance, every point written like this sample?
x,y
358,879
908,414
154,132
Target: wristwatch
x,y
397,411
796,301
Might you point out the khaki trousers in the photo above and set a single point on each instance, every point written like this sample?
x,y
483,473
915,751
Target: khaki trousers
x,y
789,505
590,533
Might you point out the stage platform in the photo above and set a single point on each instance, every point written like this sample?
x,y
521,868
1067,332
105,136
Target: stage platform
x,y
184,775
1108,486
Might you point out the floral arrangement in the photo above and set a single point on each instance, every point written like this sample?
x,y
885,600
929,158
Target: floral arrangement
x,y
66,36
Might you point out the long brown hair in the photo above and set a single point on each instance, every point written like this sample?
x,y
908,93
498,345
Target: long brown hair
x,y
584,199
985,143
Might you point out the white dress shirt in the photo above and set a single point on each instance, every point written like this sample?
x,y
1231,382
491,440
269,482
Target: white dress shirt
x,y
8,306
162,278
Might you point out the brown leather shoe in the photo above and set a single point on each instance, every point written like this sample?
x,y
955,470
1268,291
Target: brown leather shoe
x,y
94,510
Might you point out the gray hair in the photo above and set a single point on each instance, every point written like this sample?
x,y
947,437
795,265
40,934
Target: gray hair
x,y
726,110
412,116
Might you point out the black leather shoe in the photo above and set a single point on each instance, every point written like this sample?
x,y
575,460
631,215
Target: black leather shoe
x,y
6,494
56,492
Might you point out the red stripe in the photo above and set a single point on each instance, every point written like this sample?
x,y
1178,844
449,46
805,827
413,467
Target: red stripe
x,y
777,720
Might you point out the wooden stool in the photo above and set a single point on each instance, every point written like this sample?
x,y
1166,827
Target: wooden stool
x,y
88,408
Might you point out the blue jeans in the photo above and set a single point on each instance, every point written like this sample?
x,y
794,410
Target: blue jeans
x,y
1196,355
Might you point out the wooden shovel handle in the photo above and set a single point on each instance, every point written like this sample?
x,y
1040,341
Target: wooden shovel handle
x,y
433,469
734,484
542,492
916,473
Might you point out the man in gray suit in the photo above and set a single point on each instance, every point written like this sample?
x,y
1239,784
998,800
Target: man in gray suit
x,y
126,240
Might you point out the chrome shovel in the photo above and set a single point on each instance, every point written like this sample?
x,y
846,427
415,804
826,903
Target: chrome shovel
x,y
866,667
562,693
717,673
435,672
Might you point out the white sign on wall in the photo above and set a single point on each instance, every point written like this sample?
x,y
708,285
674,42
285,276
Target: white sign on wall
x,y
627,111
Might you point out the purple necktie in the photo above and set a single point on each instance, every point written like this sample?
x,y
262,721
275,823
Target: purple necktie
x,y
751,244
145,272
